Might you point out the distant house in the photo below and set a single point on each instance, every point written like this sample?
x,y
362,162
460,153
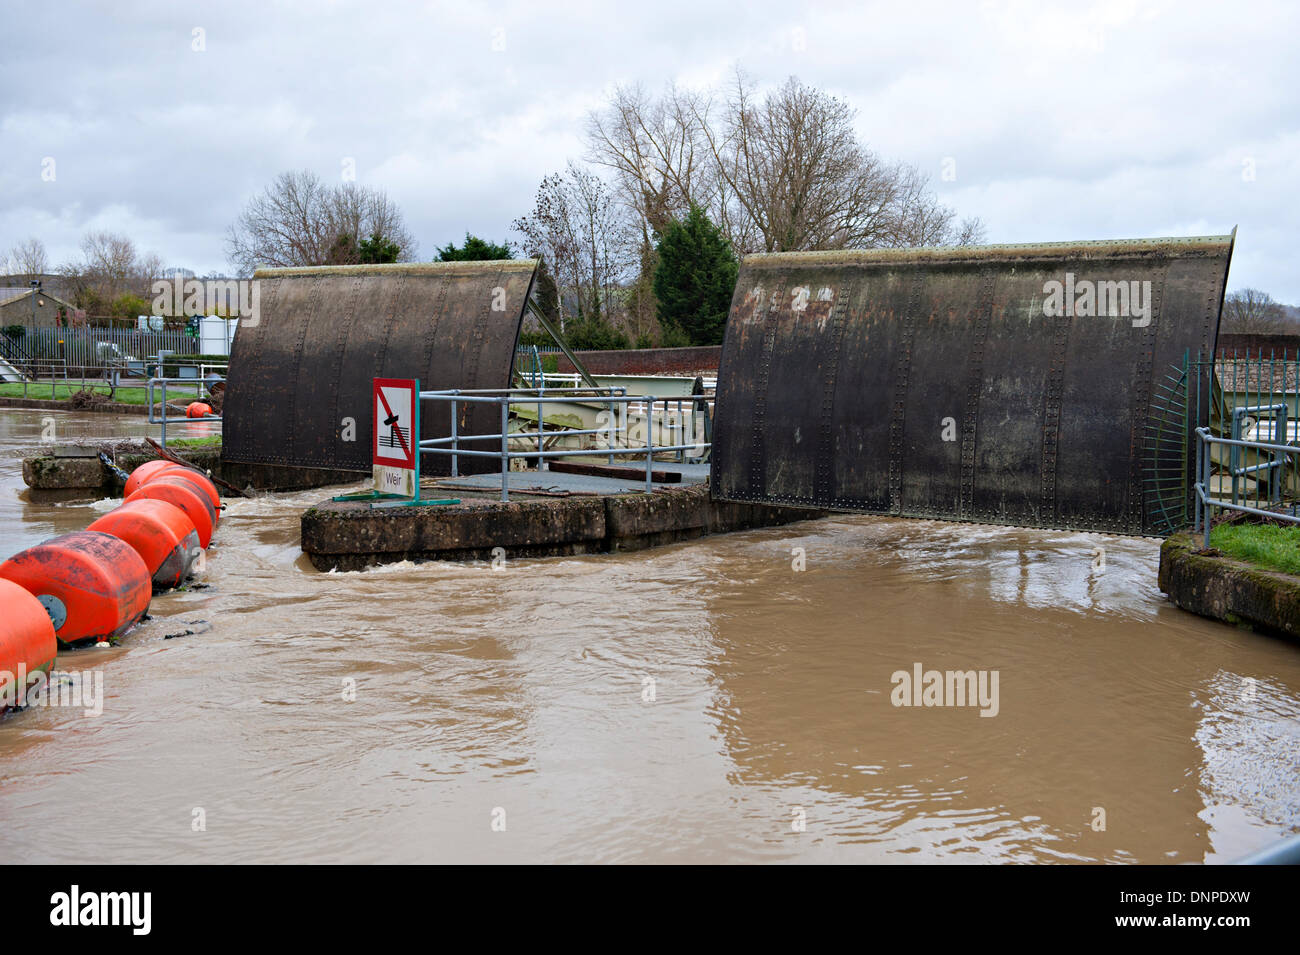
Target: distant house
x,y
34,308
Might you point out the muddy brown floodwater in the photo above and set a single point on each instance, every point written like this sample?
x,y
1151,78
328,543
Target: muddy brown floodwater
x,y
700,702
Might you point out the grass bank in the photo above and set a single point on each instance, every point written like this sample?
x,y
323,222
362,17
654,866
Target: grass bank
x,y
1266,545
61,392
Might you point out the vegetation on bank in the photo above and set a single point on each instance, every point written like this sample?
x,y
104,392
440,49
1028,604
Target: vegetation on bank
x,y
62,392
191,444
1270,546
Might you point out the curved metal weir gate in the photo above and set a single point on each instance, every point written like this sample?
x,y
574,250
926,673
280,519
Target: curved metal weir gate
x,y
1004,384
299,391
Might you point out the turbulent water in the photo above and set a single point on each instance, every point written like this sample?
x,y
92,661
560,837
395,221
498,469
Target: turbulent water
x,y
702,702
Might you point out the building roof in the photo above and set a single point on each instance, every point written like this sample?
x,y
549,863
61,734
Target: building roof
x,y
1258,376
14,293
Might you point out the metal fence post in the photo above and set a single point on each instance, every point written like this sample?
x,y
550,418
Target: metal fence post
x,y
1197,487
541,461
1234,432
679,432
649,444
1209,513
1278,474
505,449
610,442
455,439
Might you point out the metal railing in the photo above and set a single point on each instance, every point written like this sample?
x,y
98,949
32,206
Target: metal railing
x,y
571,379
1205,504
96,347
55,372
38,371
612,398
1274,469
12,350
164,418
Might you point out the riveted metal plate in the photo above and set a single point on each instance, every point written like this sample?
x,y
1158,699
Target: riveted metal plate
x,y
1000,384
298,394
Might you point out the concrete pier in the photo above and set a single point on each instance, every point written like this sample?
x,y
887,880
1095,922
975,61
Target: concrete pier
x,y
349,535
76,468
1214,585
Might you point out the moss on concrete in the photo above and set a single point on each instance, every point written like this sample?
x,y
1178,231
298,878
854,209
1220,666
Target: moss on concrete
x,y
49,472
352,536
1212,584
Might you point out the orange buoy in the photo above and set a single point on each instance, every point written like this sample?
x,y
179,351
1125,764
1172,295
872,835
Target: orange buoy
x,y
93,585
142,474
161,533
204,488
27,642
198,409
183,494
200,480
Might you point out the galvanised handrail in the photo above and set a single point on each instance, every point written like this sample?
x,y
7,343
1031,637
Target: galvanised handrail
x,y
505,397
1205,504
1278,463
197,383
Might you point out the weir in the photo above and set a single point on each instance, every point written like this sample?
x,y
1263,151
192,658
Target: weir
x,y
298,402
1005,384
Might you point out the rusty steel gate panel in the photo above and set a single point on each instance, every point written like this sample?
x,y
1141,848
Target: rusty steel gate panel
x,y
306,364
999,384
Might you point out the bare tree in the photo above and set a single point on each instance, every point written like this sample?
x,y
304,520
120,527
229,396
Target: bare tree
x,y
578,228
1248,311
969,231
109,266
793,166
298,220
28,260
660,163
918,218
657,151
785,172
355,213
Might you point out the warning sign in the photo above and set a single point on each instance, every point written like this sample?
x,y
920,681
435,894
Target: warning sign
x,y
396,428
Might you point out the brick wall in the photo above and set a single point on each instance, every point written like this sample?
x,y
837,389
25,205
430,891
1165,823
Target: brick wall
x,y
1266,345
647,361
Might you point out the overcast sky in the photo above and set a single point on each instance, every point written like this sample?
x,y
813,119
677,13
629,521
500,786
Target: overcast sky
x,y
1077,121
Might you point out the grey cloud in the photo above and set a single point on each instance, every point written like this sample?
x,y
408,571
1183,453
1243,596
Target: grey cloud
x,y
1064,121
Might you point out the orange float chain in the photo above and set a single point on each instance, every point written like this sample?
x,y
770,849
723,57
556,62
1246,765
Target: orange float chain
x,y
93,586
142,474
199,479
184,494
161,533
27,642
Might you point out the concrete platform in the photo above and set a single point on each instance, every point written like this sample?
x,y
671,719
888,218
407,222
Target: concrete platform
x,y
75,468
1209,583
570,519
